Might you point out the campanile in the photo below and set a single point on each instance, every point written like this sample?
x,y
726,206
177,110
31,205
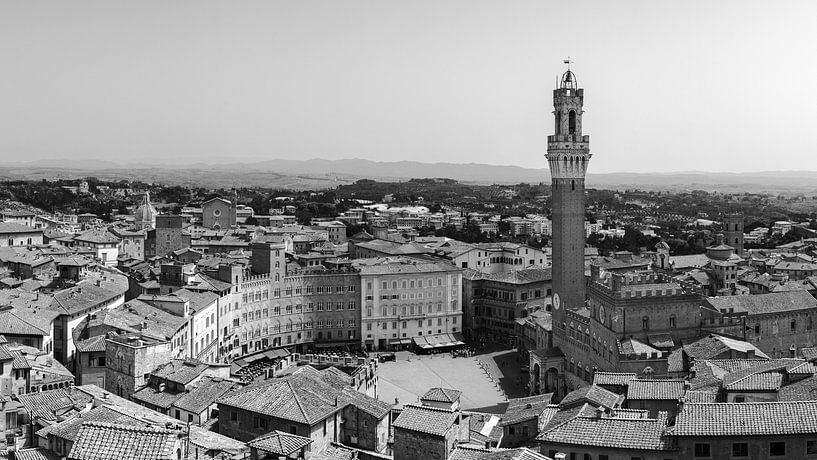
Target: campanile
x,y
568,156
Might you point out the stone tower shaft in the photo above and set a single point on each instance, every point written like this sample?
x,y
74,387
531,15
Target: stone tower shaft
x,y
568,156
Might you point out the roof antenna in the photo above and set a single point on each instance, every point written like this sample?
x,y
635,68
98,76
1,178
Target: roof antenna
x,y
568,62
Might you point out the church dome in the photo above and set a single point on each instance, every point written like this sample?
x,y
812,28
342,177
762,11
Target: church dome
x,y
144,215
569,80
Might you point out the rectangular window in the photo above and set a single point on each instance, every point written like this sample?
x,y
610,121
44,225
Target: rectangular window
x,y
701,450
811,447
740,449
777,449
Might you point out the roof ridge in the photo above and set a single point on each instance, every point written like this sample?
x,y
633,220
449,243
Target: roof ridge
x,y
297,400
433,409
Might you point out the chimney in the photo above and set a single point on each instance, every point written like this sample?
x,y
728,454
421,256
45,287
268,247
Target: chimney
x,y
719,239
599,412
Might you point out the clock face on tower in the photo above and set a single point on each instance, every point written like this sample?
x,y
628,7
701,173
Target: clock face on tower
x,y
557,302
601,313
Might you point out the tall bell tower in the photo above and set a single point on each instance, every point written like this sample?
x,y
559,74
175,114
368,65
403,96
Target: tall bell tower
x,y
568,156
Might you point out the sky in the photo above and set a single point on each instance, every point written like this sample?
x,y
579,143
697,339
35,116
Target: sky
x,y
669,86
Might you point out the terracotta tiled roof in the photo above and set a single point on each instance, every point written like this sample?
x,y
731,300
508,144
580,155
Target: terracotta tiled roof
x,y
96,343
13,227
181,371
765,303
554,416
199,436
97,237
424,419
616,433
484,427
45,403
279,443
612,378
801,390
84,296
371,406
697,396
809,353
36,453
766,381
69,428
152,397
20,361
106,441
747,419
523,409
656,389
593,394
334,452
465,452
445,395
297,398
12,324
205,394
519,276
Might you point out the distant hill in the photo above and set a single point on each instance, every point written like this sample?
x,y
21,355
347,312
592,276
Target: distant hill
x,y
320,173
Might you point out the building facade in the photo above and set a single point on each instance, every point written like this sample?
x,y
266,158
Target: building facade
x,y
404,298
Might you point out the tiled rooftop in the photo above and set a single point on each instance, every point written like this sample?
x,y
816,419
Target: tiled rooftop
x,y
153,397
45,403
297,397
204,394
747,419
35,453
465,452
94,344
199,436
617,433
107,441
445,395
612,378
594,394
765,303
424,419
69,428
656,389
522,409
182,371
279,443
766,381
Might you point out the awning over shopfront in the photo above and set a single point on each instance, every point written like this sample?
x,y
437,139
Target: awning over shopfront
x,y
438,341
422,343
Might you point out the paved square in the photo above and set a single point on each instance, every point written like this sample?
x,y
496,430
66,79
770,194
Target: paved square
x,y
408,380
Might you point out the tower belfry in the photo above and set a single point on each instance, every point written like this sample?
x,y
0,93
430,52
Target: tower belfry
x,y
568,155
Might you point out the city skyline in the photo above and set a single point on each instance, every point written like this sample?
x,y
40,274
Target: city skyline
x,y
433,82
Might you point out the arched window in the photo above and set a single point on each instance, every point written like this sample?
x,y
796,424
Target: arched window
x,y
571,121
645,322
558,123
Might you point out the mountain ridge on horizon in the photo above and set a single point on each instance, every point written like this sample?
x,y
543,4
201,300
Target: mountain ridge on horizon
x,y
347,170
90,163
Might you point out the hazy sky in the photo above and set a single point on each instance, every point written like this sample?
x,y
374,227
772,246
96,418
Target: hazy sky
x,y
669,86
